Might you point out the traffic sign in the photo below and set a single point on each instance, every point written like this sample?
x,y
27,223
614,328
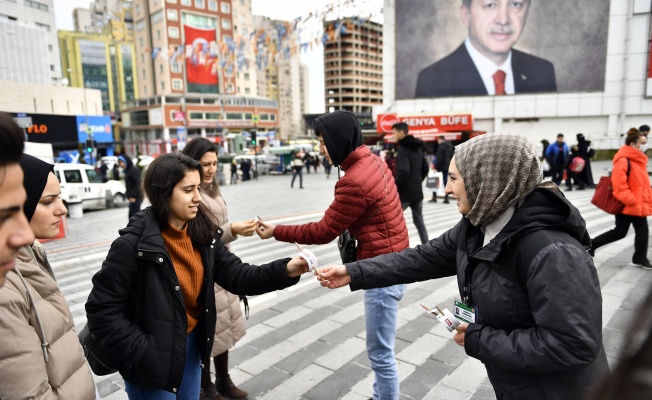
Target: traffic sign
x,y
255,118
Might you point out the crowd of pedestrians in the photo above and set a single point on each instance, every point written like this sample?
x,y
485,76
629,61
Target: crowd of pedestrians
x,y
167,298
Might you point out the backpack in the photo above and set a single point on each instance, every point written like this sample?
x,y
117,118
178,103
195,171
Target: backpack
x,y
425,168
577,164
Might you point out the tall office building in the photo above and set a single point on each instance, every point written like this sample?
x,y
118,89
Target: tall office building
x,y
353,65
28,42
101,13
279,76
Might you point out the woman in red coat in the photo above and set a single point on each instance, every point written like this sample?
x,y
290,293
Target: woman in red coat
x,y
631,185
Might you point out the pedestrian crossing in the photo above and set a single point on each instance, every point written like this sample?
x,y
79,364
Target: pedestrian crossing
x,y
307,342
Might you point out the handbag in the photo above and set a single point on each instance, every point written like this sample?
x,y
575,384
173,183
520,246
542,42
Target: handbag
x,y
604,199
101,362
432,182
347,244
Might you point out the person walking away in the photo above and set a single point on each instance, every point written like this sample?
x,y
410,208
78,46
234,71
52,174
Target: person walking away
x,y
443,157
586,152
573,165
104,171
234,172
152,305
132,183
230,324
556,154
367,204
245,166
297,166
14,229
307,161
631,185
519,254
408,178
327,168
43,359
115,172
315,162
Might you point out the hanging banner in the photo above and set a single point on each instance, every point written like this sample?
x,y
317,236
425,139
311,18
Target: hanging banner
x,y
201,60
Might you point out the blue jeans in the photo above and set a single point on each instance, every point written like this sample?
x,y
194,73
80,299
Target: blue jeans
x,y
381,309
190,382
295,172
417,217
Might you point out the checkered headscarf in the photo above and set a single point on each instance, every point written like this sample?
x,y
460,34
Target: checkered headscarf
x,y
499,170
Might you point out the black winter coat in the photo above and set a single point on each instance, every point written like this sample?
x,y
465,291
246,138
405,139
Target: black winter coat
x,y
443,156
137,311
408,169
539,328
132,179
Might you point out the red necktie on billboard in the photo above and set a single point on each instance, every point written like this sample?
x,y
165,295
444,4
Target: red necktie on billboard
x,y
499,81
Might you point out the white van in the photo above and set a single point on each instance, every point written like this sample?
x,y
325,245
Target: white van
x,y
81,183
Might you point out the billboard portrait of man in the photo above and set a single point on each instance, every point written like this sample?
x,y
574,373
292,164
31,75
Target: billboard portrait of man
x,y
482,47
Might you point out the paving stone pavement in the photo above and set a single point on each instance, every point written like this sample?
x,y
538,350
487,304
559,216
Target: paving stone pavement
x,y
306,342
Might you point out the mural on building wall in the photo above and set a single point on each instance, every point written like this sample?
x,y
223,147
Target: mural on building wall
x,y
472,48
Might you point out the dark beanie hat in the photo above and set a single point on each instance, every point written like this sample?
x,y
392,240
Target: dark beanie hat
x,y
35,177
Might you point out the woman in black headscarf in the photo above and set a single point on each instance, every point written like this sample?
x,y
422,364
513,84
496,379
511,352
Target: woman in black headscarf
x,y
519,254
44,358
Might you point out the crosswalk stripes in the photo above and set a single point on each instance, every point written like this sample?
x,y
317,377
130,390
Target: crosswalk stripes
x,y
308,342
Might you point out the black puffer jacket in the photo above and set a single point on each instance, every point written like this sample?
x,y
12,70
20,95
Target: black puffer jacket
x,y
539,329
443,156
408,169
132,179
136,308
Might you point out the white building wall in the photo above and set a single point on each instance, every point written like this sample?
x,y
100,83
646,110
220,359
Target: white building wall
x,y
243,24
23,46
44,16
599,115
48,99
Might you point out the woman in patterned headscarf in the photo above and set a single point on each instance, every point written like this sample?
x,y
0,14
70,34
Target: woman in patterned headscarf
x,y
519,254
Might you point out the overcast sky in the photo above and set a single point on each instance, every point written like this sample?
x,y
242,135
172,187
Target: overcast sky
x,y
279,9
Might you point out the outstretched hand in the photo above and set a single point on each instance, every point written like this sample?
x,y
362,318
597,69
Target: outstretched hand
x,y
334,276
459,337
265,230
244,228
296,267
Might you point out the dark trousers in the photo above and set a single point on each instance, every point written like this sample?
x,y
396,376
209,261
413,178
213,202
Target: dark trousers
x,y
417,217
134,207
620,231
557,173
295,172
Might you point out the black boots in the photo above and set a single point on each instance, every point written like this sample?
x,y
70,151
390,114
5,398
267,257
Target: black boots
x,y
228,389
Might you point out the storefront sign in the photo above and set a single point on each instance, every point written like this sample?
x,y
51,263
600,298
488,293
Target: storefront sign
x,y
427,123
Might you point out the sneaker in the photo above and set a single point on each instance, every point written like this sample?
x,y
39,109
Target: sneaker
x,y
645,265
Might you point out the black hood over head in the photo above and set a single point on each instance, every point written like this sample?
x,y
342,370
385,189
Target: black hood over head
x,y
341,132
35,177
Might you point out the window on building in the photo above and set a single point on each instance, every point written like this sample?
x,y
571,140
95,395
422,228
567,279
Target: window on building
x,y
186,3
145,89
173,15
196,115
160,68
50,47
158,34
173,32
142,42
144,74
140,25
51,67
247,91
234,116
45,26
36,5
226,23
172,1
176,68
246,76
213,116
249,116
142,57
157,17
226,7
264,117
212,5
137,9
162,85
199,3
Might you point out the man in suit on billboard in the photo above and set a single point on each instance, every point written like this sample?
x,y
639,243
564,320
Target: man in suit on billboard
x,y
486,63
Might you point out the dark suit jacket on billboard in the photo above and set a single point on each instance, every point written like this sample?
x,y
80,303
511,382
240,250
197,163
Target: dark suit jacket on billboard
x,y
456,75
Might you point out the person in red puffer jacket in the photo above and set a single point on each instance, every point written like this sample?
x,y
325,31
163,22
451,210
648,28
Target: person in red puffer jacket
x,y
367,204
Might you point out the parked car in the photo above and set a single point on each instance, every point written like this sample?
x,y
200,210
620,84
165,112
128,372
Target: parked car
x,y
81,183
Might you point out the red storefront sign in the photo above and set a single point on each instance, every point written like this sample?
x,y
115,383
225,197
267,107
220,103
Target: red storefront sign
x,y
427,127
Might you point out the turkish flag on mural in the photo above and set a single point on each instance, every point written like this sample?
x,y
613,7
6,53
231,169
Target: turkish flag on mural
x,y
201,64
